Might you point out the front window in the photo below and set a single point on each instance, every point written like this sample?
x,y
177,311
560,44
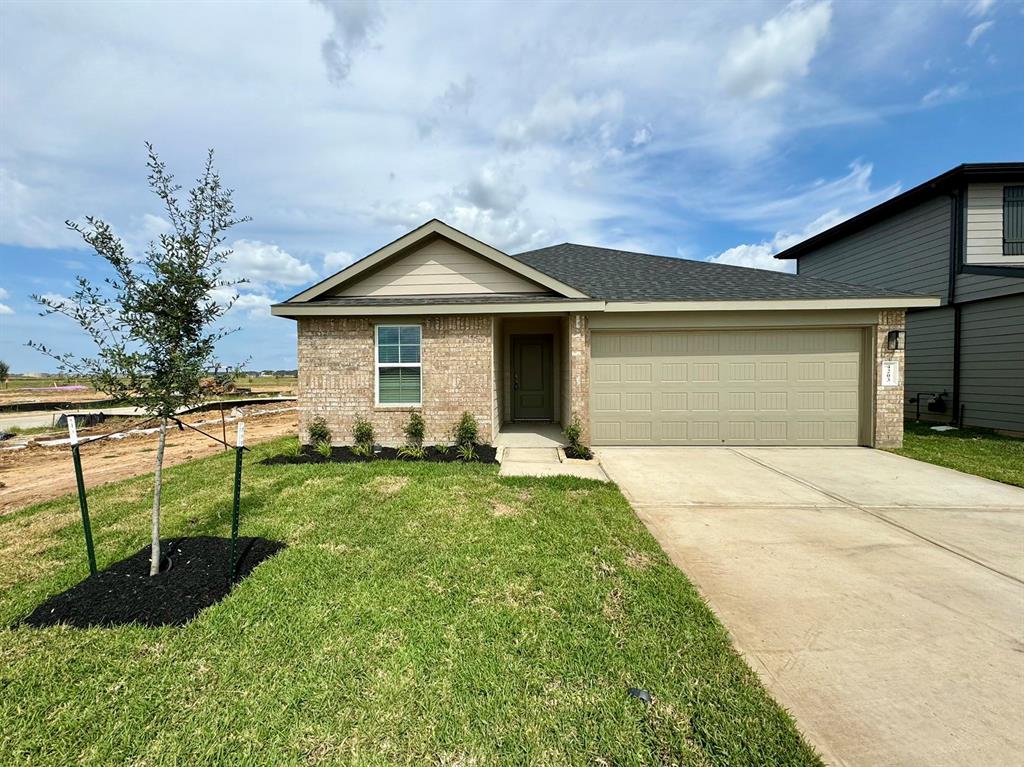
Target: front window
x,y
1013,220
398,365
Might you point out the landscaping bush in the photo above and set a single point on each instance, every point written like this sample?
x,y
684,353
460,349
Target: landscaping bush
x,y
574,434
466,432
318,431
362,433
416,452
415,430
324,448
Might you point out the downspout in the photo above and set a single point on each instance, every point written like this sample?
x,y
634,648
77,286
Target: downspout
x,y
955,249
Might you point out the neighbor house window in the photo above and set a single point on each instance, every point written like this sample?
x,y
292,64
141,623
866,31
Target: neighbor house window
x,y
398,365
1013,220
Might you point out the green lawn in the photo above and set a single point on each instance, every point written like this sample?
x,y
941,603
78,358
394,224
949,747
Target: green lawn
x,y
421,614
974,451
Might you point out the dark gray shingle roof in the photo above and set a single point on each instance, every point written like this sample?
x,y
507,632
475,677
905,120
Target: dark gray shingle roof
x,y
619,275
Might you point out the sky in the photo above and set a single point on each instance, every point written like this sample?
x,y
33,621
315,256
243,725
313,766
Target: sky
x,y
720,131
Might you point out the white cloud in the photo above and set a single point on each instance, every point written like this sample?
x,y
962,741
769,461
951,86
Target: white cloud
x,y
560,115
763,62
980,7
251,305
977,31
642,136
3,294
5,309
22,221
336,260
262,263
761,255
943,94
354,23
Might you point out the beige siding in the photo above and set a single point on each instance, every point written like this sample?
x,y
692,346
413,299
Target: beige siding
x,y
985,226
440,267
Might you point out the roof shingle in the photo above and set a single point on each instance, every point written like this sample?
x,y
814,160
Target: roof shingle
x,y
619,275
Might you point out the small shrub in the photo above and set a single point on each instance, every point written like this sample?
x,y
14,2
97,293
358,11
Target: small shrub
x,y
466,432
574,435
416,452
362,432
318,431
467,452
442,448
293,450
362,449
415,430
324,448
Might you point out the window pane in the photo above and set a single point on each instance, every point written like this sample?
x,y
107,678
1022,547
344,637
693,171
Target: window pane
x,y
387,354
410,334
387,335
1013,220
399,386
408,354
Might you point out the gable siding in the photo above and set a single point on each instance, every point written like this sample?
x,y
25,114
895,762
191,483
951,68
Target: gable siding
x,y
440,267
984,240
992,363
929,359
908,252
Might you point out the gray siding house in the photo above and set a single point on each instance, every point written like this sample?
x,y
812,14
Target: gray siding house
x,y
959,236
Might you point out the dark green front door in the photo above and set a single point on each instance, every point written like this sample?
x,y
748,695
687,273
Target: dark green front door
x,y
532,390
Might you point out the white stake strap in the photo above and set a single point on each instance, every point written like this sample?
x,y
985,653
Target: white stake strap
x,y
240,439
72,430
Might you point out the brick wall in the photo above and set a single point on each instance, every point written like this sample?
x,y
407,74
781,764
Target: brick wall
x,y
579,371
336,375
888,399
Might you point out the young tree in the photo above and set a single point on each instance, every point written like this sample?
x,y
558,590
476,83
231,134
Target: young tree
x,y
155,321
5,372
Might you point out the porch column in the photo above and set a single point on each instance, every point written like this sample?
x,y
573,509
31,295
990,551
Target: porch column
x,y
579,372
888,398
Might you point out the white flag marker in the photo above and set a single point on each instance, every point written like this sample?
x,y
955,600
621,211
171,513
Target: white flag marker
x,y
240,439
72,430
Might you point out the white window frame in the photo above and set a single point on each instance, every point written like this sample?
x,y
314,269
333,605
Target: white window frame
x,y
377,365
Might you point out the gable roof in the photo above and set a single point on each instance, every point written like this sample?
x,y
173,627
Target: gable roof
x,y
584,278
944,183
429,230
620,275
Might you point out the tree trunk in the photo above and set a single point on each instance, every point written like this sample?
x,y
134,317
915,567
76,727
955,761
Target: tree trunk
x,y
154,560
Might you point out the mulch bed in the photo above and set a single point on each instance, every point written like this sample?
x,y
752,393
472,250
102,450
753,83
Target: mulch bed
x,y
125,593
309,454
571,452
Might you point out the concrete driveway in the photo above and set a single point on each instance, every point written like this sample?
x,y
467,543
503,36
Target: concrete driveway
x,y
880,599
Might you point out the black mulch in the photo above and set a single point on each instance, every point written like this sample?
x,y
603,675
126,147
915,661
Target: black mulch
x,y
571,452
125,593
309,454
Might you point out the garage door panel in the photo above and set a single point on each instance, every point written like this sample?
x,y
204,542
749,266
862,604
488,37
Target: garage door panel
x,y
726,387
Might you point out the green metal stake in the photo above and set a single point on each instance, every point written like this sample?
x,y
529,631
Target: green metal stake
x,y
86,527
238,492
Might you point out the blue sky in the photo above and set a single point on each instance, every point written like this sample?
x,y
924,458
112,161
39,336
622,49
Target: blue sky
x,y
720,131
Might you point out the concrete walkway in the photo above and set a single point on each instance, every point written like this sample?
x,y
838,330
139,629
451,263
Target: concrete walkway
x,y
879,598
546,462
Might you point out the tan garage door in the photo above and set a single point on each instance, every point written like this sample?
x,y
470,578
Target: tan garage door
x,y
785,387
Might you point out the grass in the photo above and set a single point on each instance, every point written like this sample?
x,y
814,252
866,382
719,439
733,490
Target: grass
x,y
974,451
421,614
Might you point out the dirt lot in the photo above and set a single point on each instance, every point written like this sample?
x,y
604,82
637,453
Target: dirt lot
x,y
39,473
43,391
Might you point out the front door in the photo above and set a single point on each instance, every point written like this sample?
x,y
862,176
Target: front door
x,y
532,391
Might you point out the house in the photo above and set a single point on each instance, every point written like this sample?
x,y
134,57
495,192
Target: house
x,y
645,350
959,236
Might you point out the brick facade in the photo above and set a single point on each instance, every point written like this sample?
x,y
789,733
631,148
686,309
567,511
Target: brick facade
x,y
460,373
337,378
888,427
579,371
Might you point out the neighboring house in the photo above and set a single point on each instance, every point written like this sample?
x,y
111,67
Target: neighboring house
x,y
646,350
959,236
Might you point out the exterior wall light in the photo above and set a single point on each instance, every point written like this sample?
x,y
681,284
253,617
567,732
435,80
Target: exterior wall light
x,y
896,340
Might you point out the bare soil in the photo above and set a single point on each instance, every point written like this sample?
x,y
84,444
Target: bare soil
x,y
38,473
